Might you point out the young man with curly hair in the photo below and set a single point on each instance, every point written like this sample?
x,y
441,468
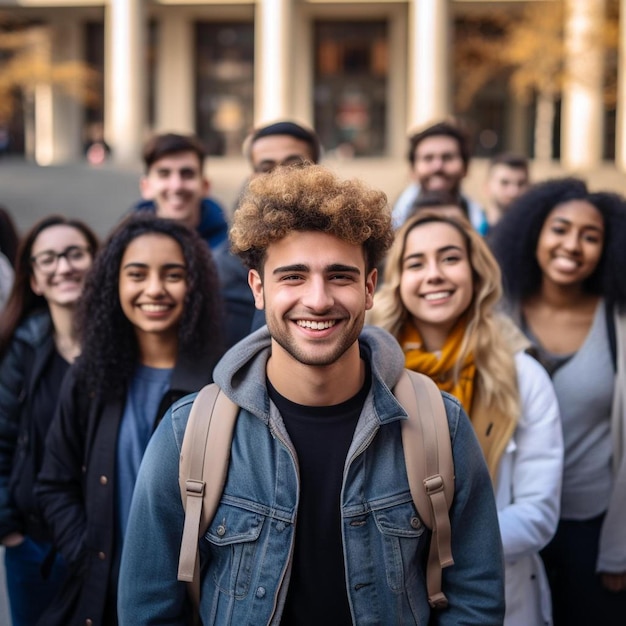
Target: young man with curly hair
x,y
316,524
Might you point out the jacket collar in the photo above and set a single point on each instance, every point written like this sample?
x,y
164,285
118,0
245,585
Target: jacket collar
x,y
241,372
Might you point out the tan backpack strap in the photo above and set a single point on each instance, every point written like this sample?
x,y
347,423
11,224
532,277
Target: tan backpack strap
x,y
203,468
430,470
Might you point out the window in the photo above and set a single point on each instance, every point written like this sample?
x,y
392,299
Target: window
x,y
224,85
351,69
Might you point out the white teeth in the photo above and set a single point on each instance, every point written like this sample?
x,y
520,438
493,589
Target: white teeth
x,y
316,325
439,295
565,263
153,308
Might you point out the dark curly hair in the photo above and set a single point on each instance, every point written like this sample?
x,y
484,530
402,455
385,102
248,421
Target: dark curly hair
x,y
109,347
310,199
23,300
514,239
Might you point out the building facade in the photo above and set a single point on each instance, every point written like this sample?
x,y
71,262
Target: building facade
x,y
362,72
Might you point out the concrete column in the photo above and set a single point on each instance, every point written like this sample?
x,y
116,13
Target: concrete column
x,y
175,88
582,125
620,138
272,67
44,136
40,139
54,135
429,61
397,85
125,72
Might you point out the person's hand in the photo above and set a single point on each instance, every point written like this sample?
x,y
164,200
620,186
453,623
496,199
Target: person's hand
x,y
614,582
12,540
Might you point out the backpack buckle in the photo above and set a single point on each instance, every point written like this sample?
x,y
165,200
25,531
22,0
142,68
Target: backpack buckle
x,y
194,487
433,484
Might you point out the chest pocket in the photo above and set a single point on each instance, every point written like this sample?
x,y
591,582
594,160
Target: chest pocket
x,y
232,542
404,540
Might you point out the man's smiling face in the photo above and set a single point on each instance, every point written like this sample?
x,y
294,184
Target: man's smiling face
x,y
177,186
315,290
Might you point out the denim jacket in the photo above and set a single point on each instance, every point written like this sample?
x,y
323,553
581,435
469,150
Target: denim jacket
x,y
246,552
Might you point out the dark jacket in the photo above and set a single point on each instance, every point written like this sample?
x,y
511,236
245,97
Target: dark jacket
x,y
76,488
22,433
213,227
241,316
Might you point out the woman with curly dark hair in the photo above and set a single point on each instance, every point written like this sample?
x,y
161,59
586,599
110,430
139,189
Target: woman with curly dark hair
x,y
37,345
150,324
562,250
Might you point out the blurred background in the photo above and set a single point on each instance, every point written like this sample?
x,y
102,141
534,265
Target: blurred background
x,y
83,83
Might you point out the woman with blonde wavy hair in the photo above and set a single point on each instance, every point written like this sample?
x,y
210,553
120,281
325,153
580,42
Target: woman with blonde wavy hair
x,y
438,299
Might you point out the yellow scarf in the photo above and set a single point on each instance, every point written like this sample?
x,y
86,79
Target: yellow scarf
x,y
440,366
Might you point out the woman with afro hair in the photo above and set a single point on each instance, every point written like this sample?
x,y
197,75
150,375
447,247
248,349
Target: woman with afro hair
x,y
150,327
562,251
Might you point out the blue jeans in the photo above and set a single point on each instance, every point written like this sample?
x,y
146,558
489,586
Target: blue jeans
x,y
29,593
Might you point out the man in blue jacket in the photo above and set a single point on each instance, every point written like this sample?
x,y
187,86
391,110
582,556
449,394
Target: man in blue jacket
x,y
174,186
316,524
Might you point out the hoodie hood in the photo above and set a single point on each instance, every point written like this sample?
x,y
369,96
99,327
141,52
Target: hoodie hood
x,y
241,372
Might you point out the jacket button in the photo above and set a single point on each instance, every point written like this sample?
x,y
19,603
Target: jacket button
x,y
83,469
260,592
88,622
221,530
415,522
103,480
102,556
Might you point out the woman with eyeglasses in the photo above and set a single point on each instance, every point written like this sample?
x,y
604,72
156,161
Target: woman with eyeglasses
x,y
37,345
150,327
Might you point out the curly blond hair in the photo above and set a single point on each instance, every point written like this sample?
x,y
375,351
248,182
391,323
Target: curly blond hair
x,y
484,336
310,198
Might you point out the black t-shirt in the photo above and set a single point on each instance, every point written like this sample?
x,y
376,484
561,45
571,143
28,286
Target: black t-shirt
x,y
321,436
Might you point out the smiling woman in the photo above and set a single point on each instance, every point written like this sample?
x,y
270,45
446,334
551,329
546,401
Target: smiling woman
x,y
153,286
150,326
37,345
438,299
562,250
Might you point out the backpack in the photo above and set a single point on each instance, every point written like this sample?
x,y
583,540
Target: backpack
x,y
205,456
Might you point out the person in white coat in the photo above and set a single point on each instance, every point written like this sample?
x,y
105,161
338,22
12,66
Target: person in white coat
x,y
438,299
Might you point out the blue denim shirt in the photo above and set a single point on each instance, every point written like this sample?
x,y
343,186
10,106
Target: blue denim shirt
x,y
247,550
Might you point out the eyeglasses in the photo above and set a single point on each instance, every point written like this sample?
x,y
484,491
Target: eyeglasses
x,y
48,260
267,166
